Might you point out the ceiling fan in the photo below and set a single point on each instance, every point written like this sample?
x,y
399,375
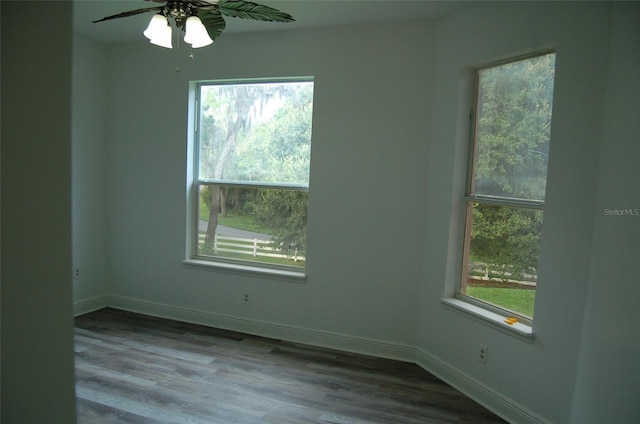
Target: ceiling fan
x,y
201,20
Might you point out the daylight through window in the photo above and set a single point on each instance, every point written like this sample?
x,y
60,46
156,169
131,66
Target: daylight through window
x,y
507,182
253,147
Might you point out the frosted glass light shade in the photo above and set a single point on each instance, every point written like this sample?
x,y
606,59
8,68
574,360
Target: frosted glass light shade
x,y
163,38
196,34
155,27
158,31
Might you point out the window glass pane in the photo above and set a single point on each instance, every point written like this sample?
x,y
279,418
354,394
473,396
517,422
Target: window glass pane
x,y
503,245
255,132
253,224
513,128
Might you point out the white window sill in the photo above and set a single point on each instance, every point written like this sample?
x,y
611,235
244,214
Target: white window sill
x,y
280,274
518,329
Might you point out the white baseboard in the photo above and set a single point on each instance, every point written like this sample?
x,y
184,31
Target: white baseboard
x,y
496,402
89,305
266,329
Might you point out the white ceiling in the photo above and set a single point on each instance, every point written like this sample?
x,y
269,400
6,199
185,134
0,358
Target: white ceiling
x,y
307,13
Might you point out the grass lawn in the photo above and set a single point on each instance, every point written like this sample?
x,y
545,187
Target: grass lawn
x,y
241,222
516,300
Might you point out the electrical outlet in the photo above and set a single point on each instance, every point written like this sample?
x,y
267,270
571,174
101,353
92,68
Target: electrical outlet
x,y
245,298
76,273
483,353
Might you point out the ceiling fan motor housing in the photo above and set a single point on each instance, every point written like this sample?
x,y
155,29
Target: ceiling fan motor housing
x,y
179,11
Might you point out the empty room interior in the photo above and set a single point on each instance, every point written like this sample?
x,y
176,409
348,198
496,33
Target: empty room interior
x,y
101,196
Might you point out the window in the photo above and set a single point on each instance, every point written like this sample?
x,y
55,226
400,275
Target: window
x,y
252,147
507,181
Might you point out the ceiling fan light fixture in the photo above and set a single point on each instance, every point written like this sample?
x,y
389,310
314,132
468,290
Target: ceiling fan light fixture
x,y
185,15
196,34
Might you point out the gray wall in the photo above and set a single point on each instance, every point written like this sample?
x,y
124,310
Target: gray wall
x,y
608,372
37,343
387,168
519,371
89,176
371,121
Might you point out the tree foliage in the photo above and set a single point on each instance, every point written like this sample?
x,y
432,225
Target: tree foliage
x,y
226,115
283,146
285,212
278,150
508,239
512,150
263,138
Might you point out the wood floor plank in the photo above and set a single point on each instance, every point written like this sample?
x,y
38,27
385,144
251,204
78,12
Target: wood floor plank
x,y
132,368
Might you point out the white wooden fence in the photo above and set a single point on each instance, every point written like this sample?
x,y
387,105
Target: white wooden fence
x,y
244,246
482,271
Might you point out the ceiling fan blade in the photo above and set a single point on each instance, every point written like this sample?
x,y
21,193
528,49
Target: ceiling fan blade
x,y
207,6
212,21
130,13
201,3
250,10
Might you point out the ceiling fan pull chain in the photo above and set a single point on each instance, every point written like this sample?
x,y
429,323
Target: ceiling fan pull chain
x,y
177,35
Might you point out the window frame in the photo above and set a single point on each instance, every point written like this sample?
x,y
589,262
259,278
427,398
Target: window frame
x,y
493,312
193,258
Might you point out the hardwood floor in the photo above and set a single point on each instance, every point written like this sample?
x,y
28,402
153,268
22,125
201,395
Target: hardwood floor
x,y
133,368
